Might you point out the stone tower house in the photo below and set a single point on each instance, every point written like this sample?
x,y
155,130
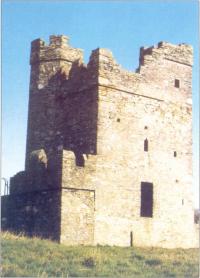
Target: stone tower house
x,y
109,152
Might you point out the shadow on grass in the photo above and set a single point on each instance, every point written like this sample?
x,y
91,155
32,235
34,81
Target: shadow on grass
x,y
89,262
153,262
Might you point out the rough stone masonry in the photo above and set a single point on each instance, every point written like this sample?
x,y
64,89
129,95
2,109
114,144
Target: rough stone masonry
x,y
109,152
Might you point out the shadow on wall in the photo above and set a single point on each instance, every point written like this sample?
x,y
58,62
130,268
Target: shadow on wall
x,y
78,111
62,115
65,114
32,213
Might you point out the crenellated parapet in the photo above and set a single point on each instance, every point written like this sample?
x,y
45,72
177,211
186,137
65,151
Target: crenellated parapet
x,y
181,53
110,73
58,49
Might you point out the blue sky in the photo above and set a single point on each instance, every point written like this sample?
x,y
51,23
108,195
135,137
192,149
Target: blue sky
x,y
122,26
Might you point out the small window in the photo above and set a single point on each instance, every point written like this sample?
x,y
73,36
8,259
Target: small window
x,y
79,160
146,209
175,154
146,145
118,120
177,83
131,238
146,127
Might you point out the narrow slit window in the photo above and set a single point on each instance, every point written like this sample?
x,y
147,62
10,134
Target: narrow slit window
x,y
175,154
146,209
146,145
177,83
79,160
131,238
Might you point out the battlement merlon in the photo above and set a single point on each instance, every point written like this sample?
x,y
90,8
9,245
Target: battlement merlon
x,y
181,53
57,49
110,73
98,55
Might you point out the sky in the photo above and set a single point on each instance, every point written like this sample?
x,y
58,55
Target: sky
x,y
121,26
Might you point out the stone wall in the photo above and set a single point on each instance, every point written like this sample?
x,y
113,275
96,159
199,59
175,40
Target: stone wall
x,y
35,213
51,65
97,131
132,108
77,216
66,215
121,140
62,103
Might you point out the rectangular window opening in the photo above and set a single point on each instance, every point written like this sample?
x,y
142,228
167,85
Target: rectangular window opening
x,y
177,83
146,145
146,199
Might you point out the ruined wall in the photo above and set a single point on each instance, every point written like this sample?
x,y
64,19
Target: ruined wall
x,y
87,128
62,104
51,65
66,215
133,107
35,213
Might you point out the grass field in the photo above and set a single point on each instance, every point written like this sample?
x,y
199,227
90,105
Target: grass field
x,y
34,257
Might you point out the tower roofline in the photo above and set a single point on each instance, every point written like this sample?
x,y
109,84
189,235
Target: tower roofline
x,y
181,53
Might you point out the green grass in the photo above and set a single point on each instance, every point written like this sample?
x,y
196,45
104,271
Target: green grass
x,y
34,257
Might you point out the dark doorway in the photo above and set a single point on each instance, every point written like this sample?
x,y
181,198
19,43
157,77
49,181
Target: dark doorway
x,y
146,199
